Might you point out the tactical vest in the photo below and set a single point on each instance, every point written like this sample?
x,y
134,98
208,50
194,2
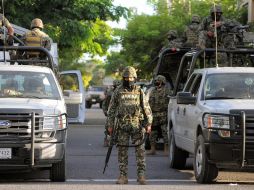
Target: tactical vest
x,y
33,39
129,104
192,35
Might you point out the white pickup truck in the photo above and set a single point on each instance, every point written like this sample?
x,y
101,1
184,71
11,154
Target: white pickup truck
x,y
212,117
33,118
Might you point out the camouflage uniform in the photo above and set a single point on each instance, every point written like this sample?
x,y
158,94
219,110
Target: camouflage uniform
x,y
158,101
207,34
207,25
190,35
173,40
36,38
129,106
105,106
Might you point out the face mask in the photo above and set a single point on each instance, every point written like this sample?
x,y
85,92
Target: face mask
x,y
157,84
128,84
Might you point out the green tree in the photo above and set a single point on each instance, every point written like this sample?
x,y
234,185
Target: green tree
x,y
146,34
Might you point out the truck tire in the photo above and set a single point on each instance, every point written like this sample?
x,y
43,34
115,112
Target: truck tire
x,y
203,170
57,171
177,157
88,105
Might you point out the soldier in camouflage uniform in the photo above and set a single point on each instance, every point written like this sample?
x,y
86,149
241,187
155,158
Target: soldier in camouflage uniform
x,y
105,106
190,35
173,40
207,28
158,101
130,107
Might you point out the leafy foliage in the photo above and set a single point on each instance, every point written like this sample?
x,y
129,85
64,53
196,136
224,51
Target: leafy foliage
x,y
146,34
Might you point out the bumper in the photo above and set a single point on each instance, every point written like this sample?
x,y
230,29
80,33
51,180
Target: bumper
x,y
227,153
46,153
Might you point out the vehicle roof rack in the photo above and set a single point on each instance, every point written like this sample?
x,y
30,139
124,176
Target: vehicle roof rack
x,y
22,59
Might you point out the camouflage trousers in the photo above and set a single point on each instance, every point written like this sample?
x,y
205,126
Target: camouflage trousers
x,y
123,139
154,134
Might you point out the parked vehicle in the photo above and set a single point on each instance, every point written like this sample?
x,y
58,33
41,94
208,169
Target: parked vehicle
x,y
94,95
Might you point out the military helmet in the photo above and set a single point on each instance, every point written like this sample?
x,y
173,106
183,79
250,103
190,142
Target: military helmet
x,y
160,78
129,72
172,33
195,18
37,23
116,82
216,8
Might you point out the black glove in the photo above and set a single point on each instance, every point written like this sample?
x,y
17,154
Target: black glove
x,y
10,40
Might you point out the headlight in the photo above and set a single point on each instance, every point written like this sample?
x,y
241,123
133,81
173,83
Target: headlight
x,y
219,122
54,122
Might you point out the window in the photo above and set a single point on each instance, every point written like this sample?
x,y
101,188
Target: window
x,y
27,85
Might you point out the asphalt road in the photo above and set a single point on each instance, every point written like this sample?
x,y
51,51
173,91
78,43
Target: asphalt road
x,y
85,162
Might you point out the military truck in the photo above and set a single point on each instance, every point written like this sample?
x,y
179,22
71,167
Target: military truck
x,y
33,118
210,113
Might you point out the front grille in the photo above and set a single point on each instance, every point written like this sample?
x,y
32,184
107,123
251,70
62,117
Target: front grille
x,y
249,126
20,125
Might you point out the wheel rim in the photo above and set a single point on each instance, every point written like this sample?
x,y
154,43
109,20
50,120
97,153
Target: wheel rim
x,y
199,160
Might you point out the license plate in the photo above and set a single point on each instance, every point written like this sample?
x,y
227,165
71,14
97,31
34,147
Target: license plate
x,y
5,153
93,100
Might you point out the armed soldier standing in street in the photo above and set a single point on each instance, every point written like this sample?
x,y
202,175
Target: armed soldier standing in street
x,y
190,35
129,108
36,38
158,101
105,106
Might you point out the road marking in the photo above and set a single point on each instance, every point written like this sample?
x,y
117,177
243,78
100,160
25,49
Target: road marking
x,y
130,180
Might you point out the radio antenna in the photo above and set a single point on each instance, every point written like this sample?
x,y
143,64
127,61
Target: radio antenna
x,y
215,35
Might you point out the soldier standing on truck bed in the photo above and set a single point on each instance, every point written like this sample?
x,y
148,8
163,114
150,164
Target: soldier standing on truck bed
x,y
6,23
190,35
105,105
36,38
158,101
128,108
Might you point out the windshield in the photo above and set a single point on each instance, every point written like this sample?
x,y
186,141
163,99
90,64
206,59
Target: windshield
x,y
229,86
27,85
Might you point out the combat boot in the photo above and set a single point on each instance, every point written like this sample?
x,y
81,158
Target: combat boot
x,y
166,149
141,180
122,180
152,151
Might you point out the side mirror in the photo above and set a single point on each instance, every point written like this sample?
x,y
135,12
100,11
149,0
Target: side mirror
x,y
71,97
185,98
